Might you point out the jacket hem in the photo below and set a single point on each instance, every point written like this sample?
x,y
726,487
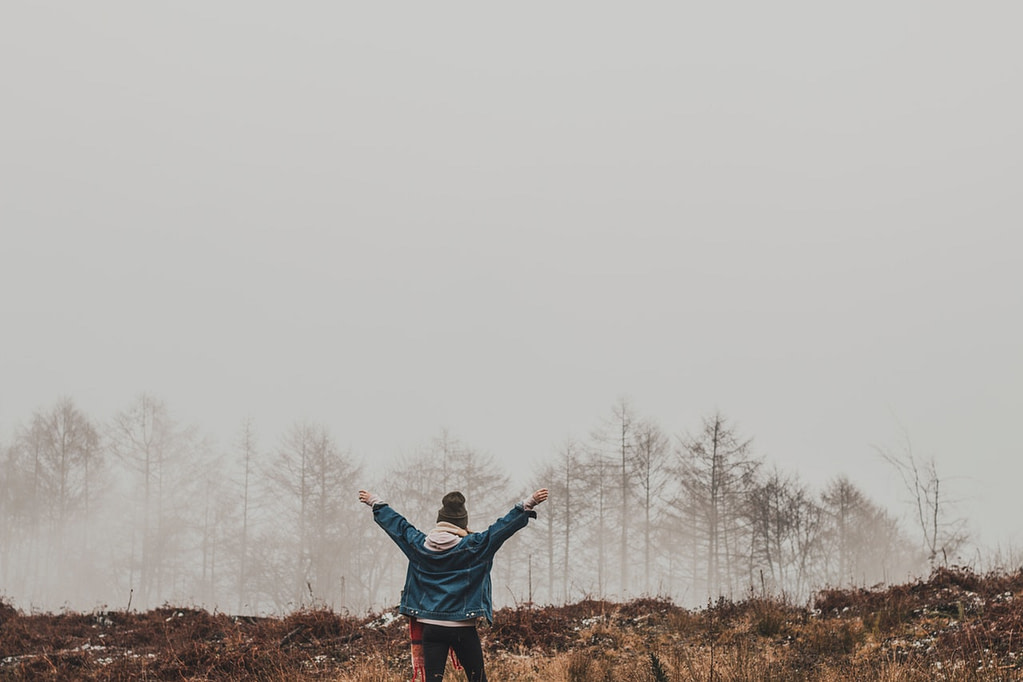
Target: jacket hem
x,y
468,614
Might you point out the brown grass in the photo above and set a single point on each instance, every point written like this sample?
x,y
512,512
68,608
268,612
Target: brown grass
x,y
956,626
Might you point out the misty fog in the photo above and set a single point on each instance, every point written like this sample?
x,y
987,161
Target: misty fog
x,y
139,510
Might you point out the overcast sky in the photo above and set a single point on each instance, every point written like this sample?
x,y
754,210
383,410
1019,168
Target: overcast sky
x,y
395,218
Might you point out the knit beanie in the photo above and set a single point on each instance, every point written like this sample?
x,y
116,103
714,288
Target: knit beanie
x,y
453,510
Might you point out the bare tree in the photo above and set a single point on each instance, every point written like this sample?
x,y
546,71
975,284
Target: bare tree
x,y
942,535
70,446
247,460
807,527
28,460
307,475
53,466
615,438
558,526
417,483
16,518
716,473
784,522
568,500
8,510
546,477
845,506
650,452
212,523
72,459
159,456
863,542
597,474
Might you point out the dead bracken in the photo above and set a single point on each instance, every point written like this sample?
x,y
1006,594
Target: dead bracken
x,y
956,625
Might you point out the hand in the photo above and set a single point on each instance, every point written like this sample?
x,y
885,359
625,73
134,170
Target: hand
x,y
366,497
540,495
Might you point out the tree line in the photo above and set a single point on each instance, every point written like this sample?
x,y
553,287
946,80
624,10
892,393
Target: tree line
x,y
139,510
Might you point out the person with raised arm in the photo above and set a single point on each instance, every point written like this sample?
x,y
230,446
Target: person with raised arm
x,y
447,585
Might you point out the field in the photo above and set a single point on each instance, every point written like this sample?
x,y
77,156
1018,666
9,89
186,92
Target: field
x,y
957,625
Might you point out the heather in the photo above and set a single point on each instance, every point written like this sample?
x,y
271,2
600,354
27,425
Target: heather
x,y
955,625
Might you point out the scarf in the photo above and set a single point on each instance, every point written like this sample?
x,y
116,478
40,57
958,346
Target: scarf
x,y
444,536
415,631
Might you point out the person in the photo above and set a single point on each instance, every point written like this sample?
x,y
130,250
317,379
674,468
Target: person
x,y
447,584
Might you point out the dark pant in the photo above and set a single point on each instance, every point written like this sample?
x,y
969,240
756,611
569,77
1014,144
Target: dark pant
x,y
466,643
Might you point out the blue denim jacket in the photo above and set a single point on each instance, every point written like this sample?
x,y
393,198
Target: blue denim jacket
x,y
453,584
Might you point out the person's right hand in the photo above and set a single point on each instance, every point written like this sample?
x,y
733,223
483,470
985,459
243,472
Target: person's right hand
x,y
540,495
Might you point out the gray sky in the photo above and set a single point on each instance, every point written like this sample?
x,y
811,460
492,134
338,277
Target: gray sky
x,y
394,218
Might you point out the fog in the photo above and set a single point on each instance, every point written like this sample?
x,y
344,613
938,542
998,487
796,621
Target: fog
x,y
371,227
144,511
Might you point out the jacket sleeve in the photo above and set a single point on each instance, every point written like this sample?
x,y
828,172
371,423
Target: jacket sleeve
x,y
490,540
404,534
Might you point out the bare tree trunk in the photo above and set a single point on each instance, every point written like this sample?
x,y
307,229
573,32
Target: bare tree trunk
x,y
568,522
248,453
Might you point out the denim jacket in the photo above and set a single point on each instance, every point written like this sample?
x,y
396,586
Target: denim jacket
x,y
453,584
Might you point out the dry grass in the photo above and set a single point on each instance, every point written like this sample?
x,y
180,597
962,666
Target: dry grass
x,y
956,626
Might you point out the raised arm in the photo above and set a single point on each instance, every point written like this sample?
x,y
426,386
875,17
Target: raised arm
x,y
491,539
404,534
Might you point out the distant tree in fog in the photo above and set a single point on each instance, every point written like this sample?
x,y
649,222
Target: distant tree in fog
x,y
785,527
28,504
846,508
863,542
247,458
548,473
715,475
650,451
16,519
308,477
567,501
159,457
615,439
8,482
942,534
557,529
416,483
54,465
71,459
214,518
593,514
